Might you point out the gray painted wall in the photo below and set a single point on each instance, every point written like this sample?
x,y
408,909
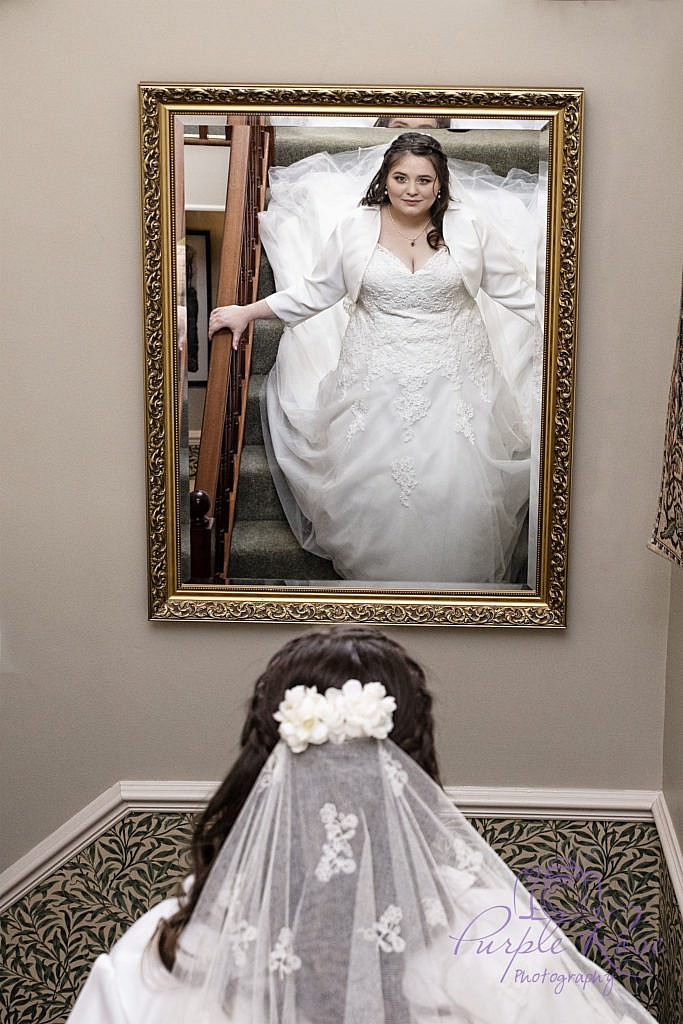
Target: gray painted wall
x,y
93,692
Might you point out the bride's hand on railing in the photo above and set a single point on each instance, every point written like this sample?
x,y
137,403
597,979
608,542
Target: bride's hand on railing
x,y
232,318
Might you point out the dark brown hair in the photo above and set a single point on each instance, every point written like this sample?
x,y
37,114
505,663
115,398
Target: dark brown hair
x,y
324,658
416,144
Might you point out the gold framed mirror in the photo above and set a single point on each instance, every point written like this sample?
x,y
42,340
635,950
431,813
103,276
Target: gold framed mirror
x,y
397,448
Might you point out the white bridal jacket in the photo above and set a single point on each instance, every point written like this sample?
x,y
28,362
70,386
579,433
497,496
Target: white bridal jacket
x,y
482,256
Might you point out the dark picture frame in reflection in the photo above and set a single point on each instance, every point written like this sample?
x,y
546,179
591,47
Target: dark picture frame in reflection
x,y
216,550
199,302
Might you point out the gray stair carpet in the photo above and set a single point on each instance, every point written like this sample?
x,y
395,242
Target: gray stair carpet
x,y
263,549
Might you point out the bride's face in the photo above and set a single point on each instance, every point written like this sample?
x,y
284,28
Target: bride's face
x,y
412,185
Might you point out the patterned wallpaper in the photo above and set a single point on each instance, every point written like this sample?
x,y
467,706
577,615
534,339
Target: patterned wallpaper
x,y
604,882
667,534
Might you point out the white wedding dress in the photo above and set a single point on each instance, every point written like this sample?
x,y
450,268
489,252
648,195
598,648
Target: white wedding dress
x,y
399,437
414,462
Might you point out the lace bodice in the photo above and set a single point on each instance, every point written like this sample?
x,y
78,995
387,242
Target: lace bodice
x,y
411,326
390,288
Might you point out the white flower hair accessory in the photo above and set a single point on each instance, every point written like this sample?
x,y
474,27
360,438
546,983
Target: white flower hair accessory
x,y
355,711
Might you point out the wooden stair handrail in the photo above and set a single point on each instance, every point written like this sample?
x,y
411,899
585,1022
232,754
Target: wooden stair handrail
x,y
213,500
257,185
208,465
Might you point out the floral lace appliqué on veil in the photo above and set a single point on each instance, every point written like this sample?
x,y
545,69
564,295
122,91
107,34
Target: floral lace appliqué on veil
x,y
238,932
337,855
386,932
394,772
283,959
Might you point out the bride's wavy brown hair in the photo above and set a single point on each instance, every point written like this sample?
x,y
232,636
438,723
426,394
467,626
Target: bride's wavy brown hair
x,y
416,144
326,657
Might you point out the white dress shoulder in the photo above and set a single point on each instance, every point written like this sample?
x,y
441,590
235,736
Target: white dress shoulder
x,y
130,985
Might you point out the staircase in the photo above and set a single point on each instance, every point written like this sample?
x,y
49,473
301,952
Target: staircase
x,y
264,548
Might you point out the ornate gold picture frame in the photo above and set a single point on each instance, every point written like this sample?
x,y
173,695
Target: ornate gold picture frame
x,y
206,153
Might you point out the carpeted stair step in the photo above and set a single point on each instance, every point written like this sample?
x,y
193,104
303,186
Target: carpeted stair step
x,y
266,281
499,149
256,494
294,143
253,433
264,349
267,550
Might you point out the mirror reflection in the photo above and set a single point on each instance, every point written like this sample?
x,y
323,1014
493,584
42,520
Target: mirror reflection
x,y
378,421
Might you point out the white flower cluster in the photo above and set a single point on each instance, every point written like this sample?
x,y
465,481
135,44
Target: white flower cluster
x,y
356,711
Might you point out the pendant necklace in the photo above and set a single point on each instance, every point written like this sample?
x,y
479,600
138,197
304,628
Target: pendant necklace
x,y
407,237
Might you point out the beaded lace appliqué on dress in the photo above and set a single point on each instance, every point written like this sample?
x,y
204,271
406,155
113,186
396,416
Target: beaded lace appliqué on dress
x,y
403,472
359,411
411,327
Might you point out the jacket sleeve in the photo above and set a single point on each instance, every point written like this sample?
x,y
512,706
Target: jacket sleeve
x,y
504,277
314,292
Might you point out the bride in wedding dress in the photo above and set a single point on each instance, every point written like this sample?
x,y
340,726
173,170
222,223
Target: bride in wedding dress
x,y
398,423
334,880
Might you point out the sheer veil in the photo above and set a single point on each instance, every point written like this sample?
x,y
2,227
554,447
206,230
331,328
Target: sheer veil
x,y
352,891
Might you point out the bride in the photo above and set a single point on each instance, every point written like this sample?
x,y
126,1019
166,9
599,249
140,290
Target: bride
x,y
399,438
333,879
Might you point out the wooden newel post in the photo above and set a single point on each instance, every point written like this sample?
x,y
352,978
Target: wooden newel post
x,y
202,539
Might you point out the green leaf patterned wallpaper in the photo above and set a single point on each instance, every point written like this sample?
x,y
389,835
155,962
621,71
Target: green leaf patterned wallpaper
x,y
601,882
605,883
670,996
51,935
